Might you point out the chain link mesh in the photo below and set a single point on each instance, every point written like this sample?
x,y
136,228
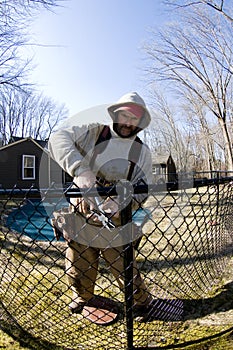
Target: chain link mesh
x,y
182,255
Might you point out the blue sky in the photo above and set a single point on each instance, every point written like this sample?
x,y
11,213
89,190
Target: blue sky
x,y
92,50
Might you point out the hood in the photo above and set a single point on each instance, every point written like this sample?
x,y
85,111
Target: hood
x,y
134,98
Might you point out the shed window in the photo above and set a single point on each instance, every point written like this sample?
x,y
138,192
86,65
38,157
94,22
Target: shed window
x,y
28,167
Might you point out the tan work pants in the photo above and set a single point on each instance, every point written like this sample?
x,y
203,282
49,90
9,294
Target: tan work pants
x,y
82,267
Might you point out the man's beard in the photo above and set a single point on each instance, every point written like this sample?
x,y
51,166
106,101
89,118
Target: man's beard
x,y
118,128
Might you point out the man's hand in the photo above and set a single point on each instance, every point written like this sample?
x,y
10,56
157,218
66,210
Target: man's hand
x,y
111,206
85,180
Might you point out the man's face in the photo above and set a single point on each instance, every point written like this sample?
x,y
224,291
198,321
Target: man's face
x,y
126,123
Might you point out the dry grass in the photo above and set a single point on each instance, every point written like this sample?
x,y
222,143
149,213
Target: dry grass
x,y
174,264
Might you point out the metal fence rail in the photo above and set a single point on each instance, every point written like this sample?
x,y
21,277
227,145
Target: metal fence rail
x,y
182,253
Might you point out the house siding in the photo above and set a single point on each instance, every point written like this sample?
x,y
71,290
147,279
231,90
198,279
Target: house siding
x,y
50,172
11,164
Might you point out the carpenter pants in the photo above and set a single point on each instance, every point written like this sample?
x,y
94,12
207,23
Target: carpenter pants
x,y
82,267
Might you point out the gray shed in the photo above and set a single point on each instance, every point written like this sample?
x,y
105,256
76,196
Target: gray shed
x,y
164,168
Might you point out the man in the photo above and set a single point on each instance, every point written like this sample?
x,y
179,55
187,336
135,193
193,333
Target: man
x,y
92,163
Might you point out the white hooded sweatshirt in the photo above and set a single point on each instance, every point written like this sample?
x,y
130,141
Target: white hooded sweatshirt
x,y
72,148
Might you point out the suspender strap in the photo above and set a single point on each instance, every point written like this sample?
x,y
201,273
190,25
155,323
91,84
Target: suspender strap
x,y
134,155
102,141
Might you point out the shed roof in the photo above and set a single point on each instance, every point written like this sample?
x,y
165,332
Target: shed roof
x,y
158,158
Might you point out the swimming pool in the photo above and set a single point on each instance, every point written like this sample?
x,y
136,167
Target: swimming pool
x,y
33,218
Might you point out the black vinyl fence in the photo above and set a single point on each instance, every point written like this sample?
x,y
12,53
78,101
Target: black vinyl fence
x,y
181,254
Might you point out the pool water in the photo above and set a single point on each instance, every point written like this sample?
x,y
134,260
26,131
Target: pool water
x,y
33,219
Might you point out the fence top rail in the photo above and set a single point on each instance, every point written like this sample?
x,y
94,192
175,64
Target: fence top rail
x,y
70,192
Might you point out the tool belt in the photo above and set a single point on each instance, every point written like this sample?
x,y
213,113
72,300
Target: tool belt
x,y
100,181
64,223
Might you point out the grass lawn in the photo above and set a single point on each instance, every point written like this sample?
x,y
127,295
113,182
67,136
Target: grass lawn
x,y
224,343
184,255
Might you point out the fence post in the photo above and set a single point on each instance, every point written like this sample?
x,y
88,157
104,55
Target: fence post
x,y
126,217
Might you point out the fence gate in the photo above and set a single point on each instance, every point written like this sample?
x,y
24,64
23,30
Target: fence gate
x,y
177,262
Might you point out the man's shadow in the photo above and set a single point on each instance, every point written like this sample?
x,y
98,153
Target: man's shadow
x,y
197,308
172,310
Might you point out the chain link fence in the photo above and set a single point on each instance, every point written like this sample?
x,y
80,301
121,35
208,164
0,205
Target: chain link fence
x,y
179,258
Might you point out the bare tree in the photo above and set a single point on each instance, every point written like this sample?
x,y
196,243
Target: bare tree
x,y
16,10
14,18
27,114
196,55
22,111
165,134
218,5
203,133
